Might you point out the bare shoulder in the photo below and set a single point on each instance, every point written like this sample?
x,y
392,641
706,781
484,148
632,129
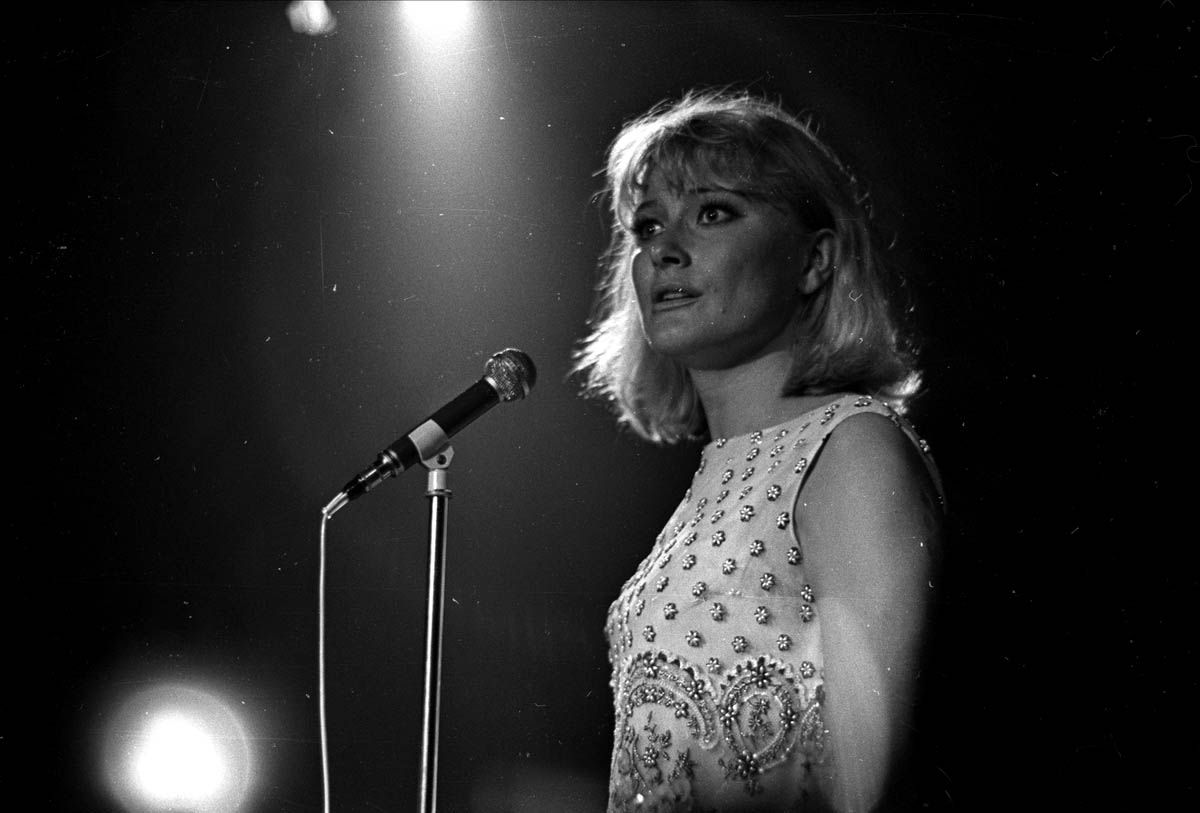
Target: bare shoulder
x,y
869,498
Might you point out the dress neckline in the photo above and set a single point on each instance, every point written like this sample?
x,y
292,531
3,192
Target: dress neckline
x,y
718,443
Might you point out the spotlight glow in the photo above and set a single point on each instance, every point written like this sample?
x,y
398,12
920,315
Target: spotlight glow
x,y
177,748
437,19
178,762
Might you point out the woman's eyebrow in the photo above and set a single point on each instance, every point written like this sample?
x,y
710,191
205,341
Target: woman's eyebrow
x,y
729,190
696,190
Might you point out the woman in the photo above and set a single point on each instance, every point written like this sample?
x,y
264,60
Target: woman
x,y
765,653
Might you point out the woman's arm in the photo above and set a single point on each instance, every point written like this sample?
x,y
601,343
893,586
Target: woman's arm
x,y
868,521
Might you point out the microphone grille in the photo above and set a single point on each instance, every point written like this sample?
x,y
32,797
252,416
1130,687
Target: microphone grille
x,y
513,374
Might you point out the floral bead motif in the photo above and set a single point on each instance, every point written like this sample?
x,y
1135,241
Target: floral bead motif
x,y
782,521
828,415
807,670
689,561
776,451
793,556
677,527
670,610
666,560
716,517
784,642
726,476
745,492
762,615
753,453
700,468
756,436
746,513
728,566
648,633
699,589
661,584
760,674
862,401
693,638
801,465
773,492
739,644
724,493
757,547
924,445
806,592
650,756
789,718
767,581
703,501
713,665
748,473
717,611
717,538
721,442
639,606
806,613
690,538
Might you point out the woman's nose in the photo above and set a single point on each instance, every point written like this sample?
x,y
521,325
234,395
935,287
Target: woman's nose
x,y
668,250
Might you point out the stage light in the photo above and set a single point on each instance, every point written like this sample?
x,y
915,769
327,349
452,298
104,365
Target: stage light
x,y
311,17
437,19
176,748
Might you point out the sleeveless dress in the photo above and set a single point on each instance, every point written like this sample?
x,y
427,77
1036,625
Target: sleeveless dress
x,y
715,640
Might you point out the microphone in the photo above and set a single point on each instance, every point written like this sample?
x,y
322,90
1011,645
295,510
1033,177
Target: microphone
x,y
508,376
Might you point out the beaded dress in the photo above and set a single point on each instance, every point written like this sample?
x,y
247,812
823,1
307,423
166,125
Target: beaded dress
x,y
715,640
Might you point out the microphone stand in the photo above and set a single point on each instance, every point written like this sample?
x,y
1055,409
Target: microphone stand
x,y
439,499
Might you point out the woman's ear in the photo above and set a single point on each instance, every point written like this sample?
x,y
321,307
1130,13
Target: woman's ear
x,y
822,259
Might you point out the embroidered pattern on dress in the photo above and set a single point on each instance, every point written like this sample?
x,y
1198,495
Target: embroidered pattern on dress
x,y
690,733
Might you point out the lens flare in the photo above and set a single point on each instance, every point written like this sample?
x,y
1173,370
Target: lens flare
x,y
177,748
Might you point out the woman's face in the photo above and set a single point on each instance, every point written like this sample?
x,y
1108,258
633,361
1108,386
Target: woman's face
x,y
717,272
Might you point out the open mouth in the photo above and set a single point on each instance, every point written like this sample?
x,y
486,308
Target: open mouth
x,y
669,298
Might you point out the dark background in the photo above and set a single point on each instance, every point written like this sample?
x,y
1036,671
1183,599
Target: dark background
x,y
243,259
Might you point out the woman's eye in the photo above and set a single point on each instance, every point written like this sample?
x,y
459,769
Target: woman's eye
x,y
645,229
715,213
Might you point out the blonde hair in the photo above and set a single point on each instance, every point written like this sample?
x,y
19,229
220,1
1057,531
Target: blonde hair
x,y
848,338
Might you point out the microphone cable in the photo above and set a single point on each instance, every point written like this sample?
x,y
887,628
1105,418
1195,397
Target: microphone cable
x,y
324,732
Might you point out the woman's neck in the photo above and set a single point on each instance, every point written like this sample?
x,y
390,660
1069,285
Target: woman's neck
x,y
750,396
